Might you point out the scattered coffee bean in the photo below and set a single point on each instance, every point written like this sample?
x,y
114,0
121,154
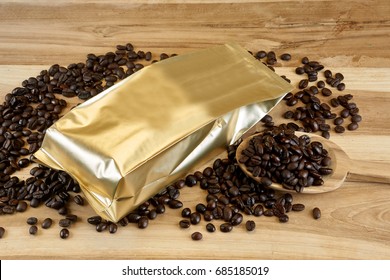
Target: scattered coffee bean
x,y
78,200
339,129
226,227
210,227
285,56
64,233
195,218
196,236
316,213
112,228
250,225
33,230
353,126
32,221
65,223
184,224
298,207
21,207
143,222
47,223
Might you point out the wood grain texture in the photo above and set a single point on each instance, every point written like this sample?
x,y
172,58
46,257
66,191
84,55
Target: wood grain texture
x,y
352,38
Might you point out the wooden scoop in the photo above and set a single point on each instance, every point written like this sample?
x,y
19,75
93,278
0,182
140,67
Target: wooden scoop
x,y
343,168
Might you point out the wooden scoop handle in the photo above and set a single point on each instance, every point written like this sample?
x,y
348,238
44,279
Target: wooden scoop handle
x,y
369,171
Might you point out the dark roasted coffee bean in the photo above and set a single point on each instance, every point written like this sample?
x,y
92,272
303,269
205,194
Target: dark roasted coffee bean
x,y
339,129
196,236
316,213
341,86
191,180
79,200
184,223
326,92
225,227
143,222
195,218
320,84
356,118
227,213
175,204
64,233
21,207
64,223
112,228
33,230
71,217
160,209
338,121
285,56
152,214
95,220
258,211
24,162
210,227
268,213
186,212
32,221
344,113
298,207
200,208
2,231
305,60
34,203
299,70
236,219
303,83
283,218
102,226
353,126
250,225
47,223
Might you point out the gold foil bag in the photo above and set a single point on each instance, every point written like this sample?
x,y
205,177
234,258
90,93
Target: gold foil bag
x,y
126,144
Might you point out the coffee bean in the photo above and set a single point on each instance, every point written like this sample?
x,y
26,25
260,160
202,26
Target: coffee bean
x,y
353,126
196,236
338,121
186,212
102,226
236,219
191,180
283,218
344,113
303,83
2,231
64,223
112,228
210,227
95,220
285,56
21,207
339,129
33,230
47,223
32,221
143,222
184,224
175,204
24,162
225,227
299,70
64,233
326,92
250,225
298,207
78,200
316,213
356,118
200,208
195,218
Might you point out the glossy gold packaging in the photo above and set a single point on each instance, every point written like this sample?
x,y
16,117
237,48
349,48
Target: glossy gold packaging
x,y
129,142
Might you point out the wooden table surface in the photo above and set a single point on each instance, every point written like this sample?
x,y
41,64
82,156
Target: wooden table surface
x,y
352,38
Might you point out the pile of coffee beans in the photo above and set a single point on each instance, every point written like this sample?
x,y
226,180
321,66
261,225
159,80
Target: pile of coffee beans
x,y
28,110
279,156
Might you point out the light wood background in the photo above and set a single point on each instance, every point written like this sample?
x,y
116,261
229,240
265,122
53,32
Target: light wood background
x,y
352,38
